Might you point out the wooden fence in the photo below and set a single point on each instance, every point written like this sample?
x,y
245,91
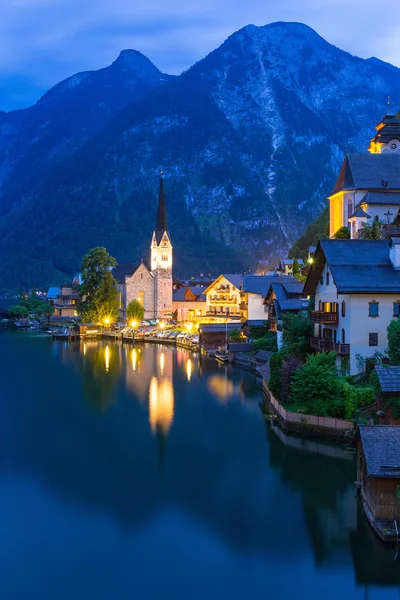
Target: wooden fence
x,y
302,419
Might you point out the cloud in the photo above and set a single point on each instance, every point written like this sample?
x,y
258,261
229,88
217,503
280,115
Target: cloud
x,y
44,41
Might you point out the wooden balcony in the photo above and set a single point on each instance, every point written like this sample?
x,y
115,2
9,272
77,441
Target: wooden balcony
x,y
243,305
329,346
319,316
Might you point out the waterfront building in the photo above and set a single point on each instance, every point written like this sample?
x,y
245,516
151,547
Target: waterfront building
x,y
356,284
189,303
64,299
284,296
378,475
252,295
223,297
388,396
150,285
368,185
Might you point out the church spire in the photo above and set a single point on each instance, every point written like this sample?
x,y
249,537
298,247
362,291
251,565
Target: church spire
x,y
161,224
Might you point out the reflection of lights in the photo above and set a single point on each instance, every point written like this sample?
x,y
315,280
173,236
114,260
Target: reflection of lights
x,y
161,404
221,387
134,359
162,362
84,349
189,369
107,359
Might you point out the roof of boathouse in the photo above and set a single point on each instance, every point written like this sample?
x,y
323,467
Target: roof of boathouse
x,y
369,172
389,379
357,267
381,445
218,327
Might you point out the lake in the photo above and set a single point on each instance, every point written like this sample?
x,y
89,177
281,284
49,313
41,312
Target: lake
x,y
149,472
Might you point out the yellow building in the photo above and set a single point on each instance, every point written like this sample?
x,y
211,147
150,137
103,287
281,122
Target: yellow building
x,y
223,297
368,185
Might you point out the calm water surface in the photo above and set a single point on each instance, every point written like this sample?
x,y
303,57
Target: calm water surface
x,y
147,472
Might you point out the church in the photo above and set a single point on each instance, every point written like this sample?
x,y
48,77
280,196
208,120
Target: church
x,y
368,185
152,287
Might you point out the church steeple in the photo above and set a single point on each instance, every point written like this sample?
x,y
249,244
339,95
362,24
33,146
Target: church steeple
x,y
161,224
387,138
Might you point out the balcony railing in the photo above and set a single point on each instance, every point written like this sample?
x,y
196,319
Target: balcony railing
x,y
243,305
229,299
319,316
329,346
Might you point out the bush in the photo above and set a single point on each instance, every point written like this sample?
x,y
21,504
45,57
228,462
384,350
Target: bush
x,y
342,234
267,342
315,385
393,333
297,331
235,335
274,383
288,369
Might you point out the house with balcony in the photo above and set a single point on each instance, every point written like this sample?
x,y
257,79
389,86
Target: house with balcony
x,y
356,284
284,296
223,297
64,299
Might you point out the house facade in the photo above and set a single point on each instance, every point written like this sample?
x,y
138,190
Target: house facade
x,y
189,303
223,297
284,296
368,185
64,299
151,286
356,284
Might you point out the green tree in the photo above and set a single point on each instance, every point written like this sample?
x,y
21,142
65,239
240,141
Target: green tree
x,y
267,342
95,265
296,332
315,385
274,383
104,303
317,230
393,334
235,336
371,232
17,311
47,310
342,234
134,311
296,267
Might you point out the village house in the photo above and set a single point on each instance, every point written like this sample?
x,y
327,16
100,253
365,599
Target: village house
x,y
254,289
64,299
223,297
286,266
356,284
151,286
388,397
368,185
189,303
378,475
284,296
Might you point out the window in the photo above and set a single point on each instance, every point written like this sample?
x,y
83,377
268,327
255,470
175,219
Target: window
x,y
321,306
327,278
343,308
343,336
373,339
141,275
396,309
164,257
349,208
374,309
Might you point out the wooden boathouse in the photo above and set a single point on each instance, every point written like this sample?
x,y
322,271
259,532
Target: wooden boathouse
x,y
378,475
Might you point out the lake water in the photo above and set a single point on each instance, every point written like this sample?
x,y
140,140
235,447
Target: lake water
x,y
148,472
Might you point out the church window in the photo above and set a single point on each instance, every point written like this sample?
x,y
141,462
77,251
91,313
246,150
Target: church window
x,y
141,275
164,257
140,297
349,208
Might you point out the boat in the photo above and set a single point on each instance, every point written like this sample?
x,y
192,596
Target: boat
x,y
221,357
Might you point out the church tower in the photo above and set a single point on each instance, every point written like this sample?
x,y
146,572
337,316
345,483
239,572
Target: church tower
x,y
387,138
161,261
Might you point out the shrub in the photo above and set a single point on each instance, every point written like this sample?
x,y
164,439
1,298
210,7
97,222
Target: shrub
x,y
274,383
267,342
315,385
288,369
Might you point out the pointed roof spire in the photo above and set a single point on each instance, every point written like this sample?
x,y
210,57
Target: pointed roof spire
x,y
161,224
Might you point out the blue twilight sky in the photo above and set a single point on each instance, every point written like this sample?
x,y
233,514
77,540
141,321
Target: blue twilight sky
x,y
45,41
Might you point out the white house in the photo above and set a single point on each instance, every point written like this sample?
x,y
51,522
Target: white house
x,y
357,293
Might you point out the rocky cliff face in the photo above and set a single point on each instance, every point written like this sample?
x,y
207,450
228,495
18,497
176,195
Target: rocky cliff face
x,y
251,139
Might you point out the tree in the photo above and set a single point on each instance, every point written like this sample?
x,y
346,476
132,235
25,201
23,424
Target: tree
x,y
342,234
315,385
371,232
288,369
47,310
393,334
104,303
296,267
95,264
296,333
135,311
235,336
267,342
17,311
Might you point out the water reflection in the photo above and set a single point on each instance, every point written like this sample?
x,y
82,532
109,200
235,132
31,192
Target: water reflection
x,y
237,504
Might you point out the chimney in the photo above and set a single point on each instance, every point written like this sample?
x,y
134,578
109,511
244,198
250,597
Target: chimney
x,y
394,252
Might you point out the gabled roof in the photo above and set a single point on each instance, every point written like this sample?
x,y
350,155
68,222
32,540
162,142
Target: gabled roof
x,y
380,198
179,295
235,279
369,172
259,284
53,292
357,266
389,378
381,445
359,212
126,270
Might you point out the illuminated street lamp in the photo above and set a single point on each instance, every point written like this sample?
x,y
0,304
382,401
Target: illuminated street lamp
x,y
134,324
161,325
107,320
189,326
310,260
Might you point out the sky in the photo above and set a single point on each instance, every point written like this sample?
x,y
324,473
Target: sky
x,y
44,41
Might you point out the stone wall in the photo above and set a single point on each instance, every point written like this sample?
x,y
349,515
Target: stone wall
x,y
140,287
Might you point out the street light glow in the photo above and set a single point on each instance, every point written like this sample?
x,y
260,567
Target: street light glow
x,y
162,325
107,320
133,323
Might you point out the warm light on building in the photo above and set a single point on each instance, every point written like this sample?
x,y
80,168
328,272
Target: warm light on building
x,y
161,325
161,405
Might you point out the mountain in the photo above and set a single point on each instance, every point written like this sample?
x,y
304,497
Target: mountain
x,y
251,139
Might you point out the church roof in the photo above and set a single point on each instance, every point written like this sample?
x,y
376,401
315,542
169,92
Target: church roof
x,y
359,212
126,270
161,223
369,172
380,198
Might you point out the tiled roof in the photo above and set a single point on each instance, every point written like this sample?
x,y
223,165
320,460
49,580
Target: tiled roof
x,y
381,445
392,198
357,266
259,284
179,295
389,378
359,212
235,278
368,172
263,355
256,323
